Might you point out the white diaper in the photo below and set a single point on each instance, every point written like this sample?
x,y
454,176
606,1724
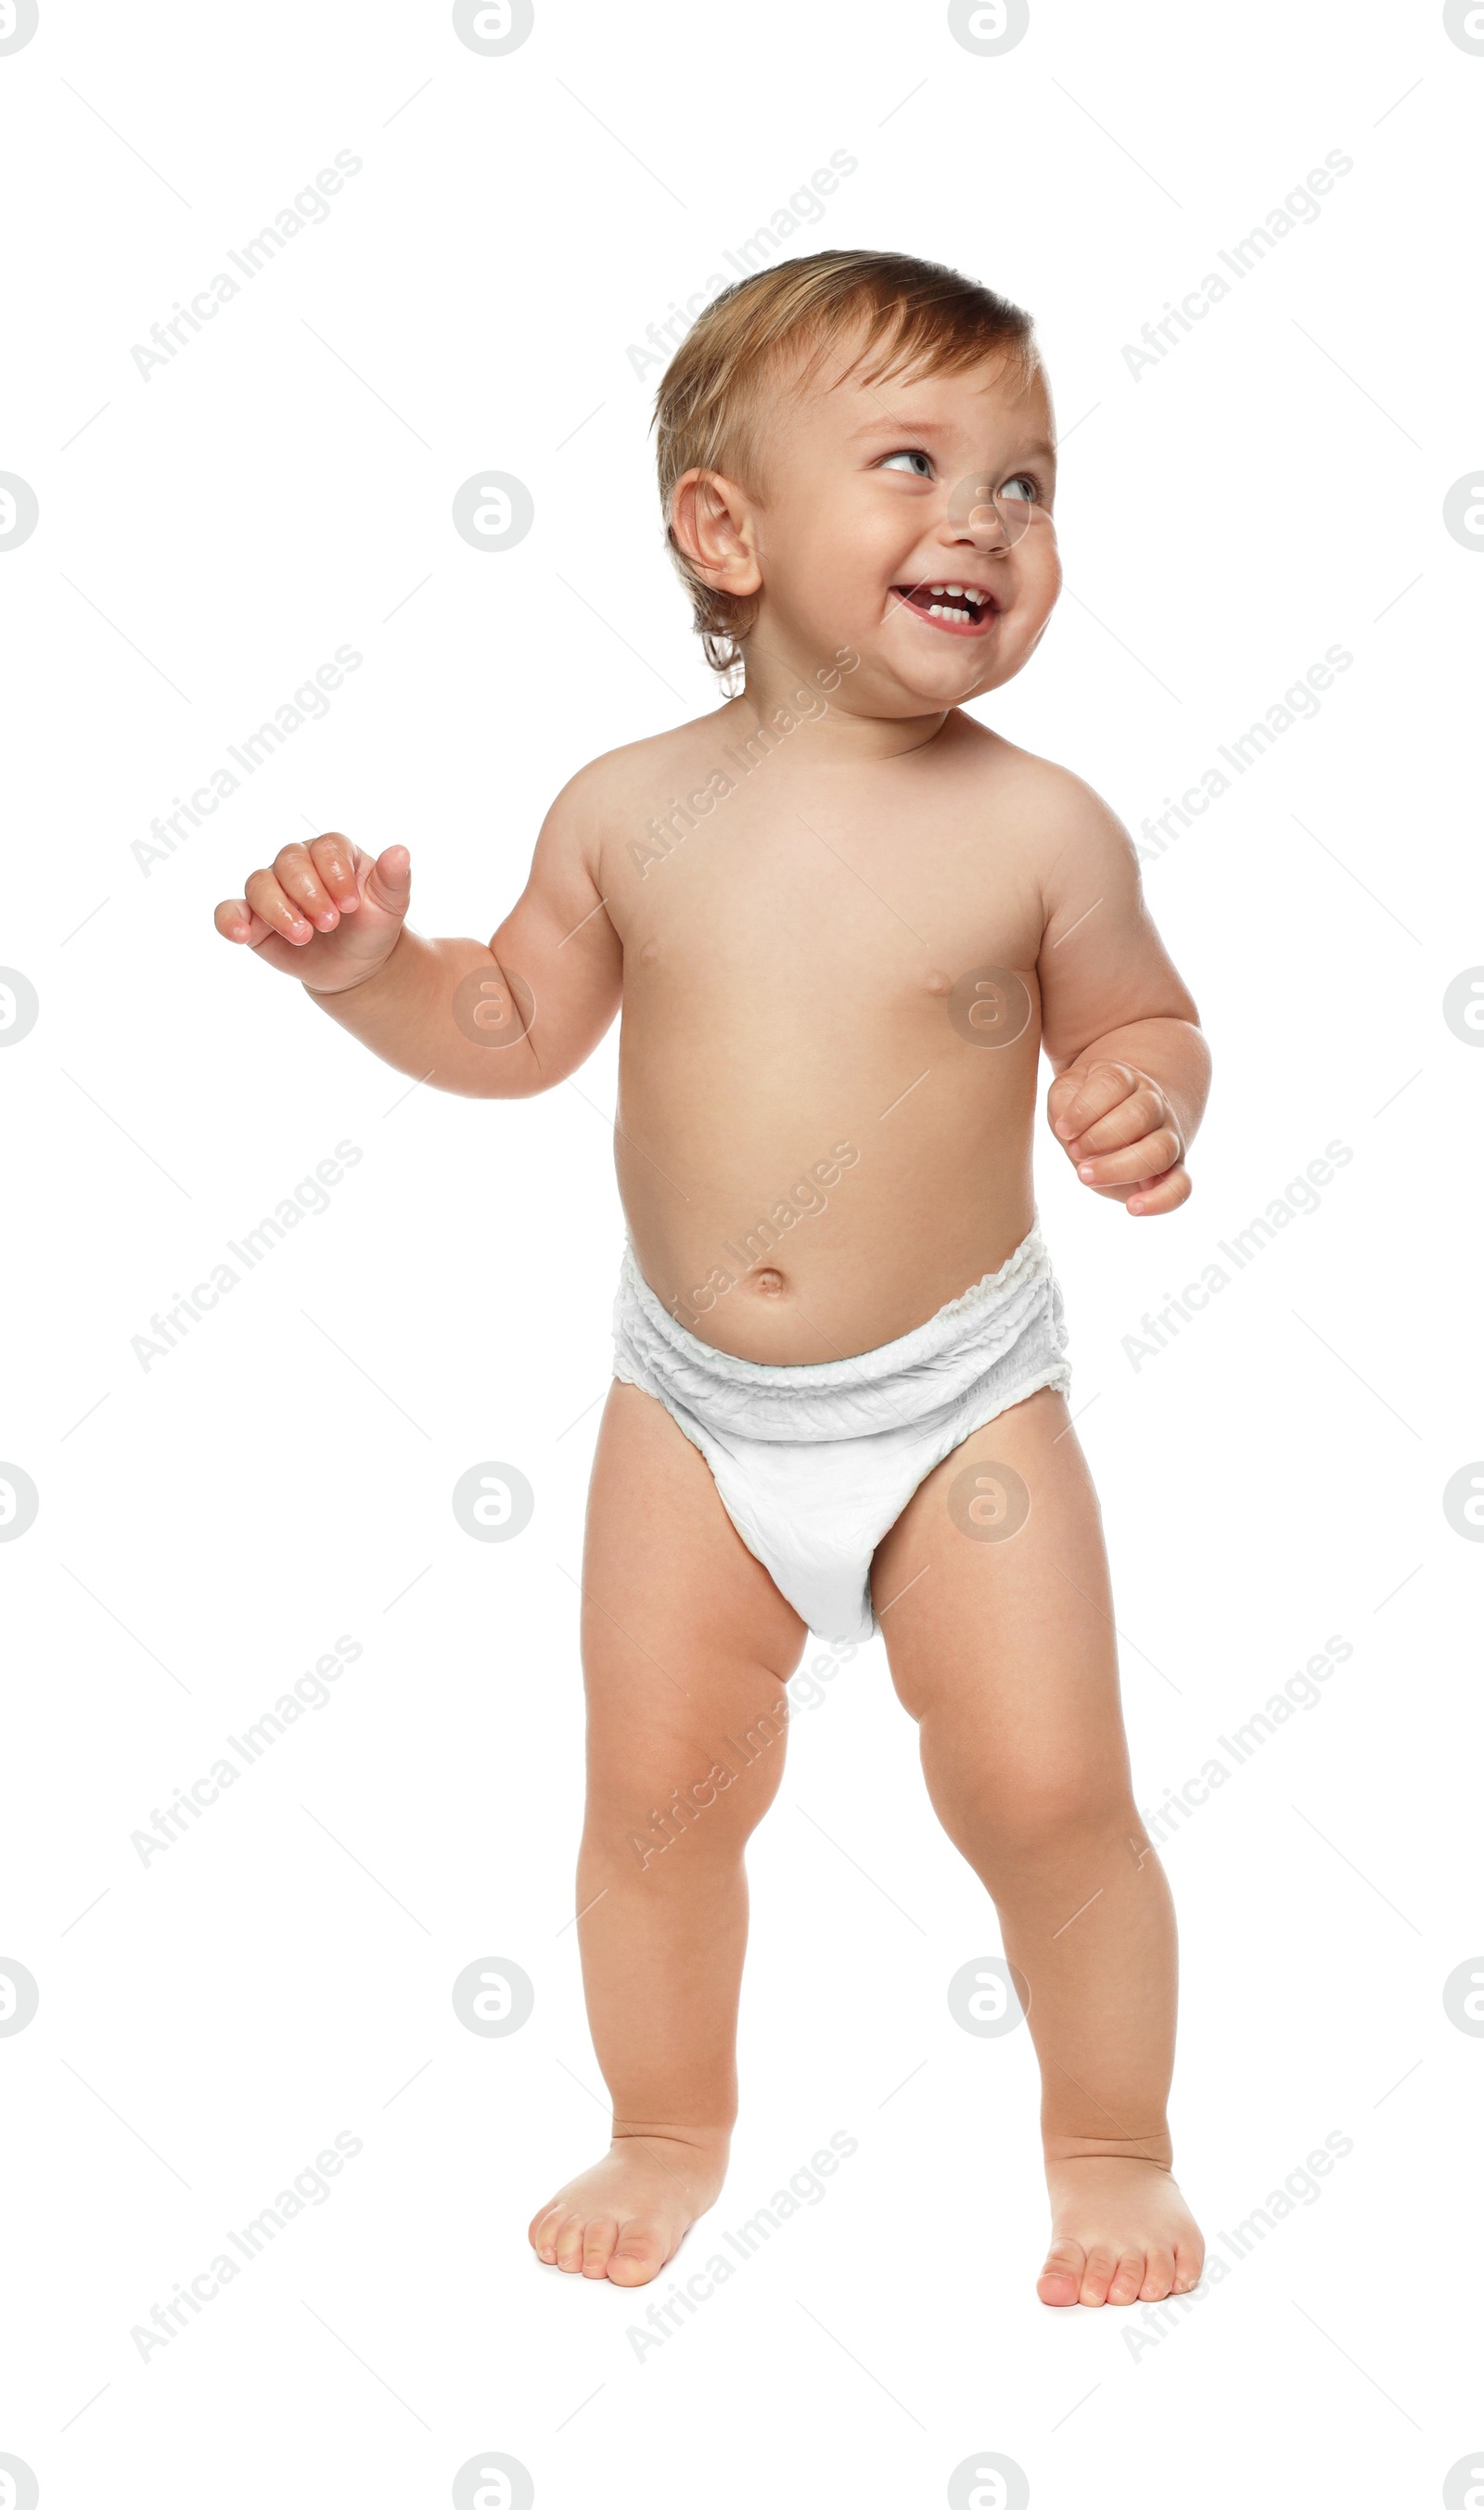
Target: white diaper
x,y
813,1464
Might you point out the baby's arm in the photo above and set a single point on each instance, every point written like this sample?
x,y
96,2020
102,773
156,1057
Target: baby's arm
x,y
1118,1024
497,1021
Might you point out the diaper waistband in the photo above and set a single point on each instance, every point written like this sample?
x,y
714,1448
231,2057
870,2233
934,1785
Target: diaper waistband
x,y
901,1381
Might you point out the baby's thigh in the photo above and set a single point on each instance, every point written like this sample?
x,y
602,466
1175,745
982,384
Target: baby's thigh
x,y
993,1594
686,1640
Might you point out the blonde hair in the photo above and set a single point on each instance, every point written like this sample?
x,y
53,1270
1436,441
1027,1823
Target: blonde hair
x,y
907,315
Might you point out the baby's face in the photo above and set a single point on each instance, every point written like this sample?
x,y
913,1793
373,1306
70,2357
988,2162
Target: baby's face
x,y
885,504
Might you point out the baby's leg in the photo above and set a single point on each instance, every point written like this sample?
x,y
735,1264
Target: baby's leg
x,y
1001,1645
686,1646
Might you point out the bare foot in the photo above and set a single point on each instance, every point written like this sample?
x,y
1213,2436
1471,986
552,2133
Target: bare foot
x,y
1121,2231
627,2216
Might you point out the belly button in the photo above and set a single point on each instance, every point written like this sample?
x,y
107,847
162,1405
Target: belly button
x,y
768,1282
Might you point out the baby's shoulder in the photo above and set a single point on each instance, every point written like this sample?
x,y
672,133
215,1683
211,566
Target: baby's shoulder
x,y
618,778
1009,775
1051,808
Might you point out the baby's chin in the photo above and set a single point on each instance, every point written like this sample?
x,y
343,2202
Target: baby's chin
x,y
923,678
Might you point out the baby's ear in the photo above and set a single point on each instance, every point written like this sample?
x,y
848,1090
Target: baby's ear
x,y
711,521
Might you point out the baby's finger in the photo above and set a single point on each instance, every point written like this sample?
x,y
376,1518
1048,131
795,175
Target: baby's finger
x,y
1130,1122
1164,1193
1101,1088
388,883
1140,1164
301,884
235,922
334,860
278,912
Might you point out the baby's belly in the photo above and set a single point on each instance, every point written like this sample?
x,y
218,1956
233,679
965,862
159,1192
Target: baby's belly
x,y
809,1207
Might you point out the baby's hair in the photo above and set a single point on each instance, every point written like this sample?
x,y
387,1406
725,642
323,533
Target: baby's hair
x,y
781,325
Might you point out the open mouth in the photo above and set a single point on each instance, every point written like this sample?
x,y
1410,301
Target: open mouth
x,y
956,609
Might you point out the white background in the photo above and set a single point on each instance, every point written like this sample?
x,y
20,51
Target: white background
x,y
208,1525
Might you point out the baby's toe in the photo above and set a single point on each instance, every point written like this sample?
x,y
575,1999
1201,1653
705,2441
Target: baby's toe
x,y
1101,2267
1125,2284
1060,2278
1158,2273
598,2244
1188,2263
637,2256
569,2243
541,2234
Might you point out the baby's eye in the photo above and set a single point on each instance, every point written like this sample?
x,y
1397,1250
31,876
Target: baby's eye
x,y
1022,487
919,464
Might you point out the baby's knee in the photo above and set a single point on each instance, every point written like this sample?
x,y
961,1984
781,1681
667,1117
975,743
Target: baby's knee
x,y
709,1810
1029,1809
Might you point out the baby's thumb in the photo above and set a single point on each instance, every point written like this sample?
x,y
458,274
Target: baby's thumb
x,y
389,885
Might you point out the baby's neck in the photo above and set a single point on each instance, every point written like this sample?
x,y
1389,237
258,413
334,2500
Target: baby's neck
x,y
841,733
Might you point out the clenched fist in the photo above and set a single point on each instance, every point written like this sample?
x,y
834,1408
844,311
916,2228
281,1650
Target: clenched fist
x,y
1120,1134
325,912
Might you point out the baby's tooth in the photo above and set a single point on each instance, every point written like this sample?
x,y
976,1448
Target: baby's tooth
x,y
935,588
955,592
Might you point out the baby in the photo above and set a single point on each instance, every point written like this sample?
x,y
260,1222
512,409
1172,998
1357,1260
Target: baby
x,y
844,919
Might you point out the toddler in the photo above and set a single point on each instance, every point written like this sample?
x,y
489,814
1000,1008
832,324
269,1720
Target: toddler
x,y
844,919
